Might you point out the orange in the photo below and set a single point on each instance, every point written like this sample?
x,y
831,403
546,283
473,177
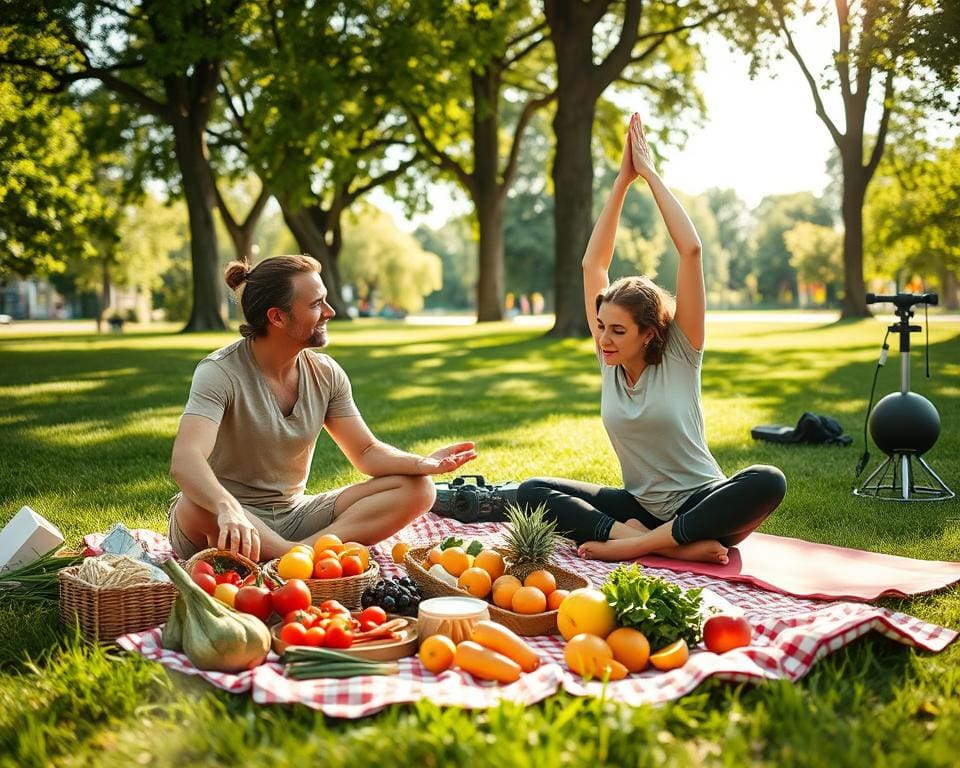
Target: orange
x,y
357,550
328,568
350,565
528,600
503,589
476,581
399,551
437,653
328,541
673,656
433,556
305,548
587,655
454,561
630,648
295,565
542,580
492,562
555,598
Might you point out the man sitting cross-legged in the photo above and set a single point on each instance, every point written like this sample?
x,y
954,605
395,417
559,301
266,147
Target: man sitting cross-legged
x,y
256,407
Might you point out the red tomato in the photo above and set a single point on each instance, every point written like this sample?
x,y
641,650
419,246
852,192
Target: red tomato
x,y
374,614
202,567
294,633
351,565
316,637
334,607
229,577
366,626
206,581
292,596
328,568
255,601
338,636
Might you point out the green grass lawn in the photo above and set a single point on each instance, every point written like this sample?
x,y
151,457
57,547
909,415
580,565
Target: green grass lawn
x,y
86,428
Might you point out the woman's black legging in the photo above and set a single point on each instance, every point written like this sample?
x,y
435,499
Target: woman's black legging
x,y
728,510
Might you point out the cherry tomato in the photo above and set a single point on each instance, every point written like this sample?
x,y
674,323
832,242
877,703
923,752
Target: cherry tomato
x,y
292,596
255,601
351,565
334,607
338,637
374,614
316,637
206,582
294,633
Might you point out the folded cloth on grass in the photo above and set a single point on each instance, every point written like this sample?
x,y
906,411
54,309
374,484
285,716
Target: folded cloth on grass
x,y
790,635
820,571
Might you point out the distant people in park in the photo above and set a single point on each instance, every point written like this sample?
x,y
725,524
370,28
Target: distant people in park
x,y
243,451
675,499
536,303
524,304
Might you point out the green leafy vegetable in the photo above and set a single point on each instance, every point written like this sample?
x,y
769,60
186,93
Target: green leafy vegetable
x,y
663,611
451,541
36,582
475,548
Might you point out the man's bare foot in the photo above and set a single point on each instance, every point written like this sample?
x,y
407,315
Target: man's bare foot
x,y
634,523
613,549
706,551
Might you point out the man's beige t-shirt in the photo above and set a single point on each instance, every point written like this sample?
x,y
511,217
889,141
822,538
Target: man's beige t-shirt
x,y
261,456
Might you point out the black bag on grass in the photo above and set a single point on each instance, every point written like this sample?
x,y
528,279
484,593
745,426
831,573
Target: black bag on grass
x,y
812,429
477,502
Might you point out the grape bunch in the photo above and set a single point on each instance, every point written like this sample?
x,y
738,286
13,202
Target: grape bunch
x,y
393,595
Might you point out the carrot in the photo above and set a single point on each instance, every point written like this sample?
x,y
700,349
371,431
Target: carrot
x,y
499,638
486,664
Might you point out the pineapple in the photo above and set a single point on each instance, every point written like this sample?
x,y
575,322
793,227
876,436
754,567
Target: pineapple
x,y
530,539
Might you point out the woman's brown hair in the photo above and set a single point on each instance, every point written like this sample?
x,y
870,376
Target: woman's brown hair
x,y
268,284
649,305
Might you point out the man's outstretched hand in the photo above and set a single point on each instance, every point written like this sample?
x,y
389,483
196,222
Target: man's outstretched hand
x,y
448,459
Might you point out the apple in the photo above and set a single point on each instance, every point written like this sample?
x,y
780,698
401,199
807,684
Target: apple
x,y
585,610
723,633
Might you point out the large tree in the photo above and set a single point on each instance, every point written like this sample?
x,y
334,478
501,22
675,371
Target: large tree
x,y
881,46
596,42
162,56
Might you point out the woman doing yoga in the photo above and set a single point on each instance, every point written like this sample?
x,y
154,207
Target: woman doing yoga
x,y
676,501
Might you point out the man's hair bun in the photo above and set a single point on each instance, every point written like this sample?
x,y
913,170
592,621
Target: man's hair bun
x,y
236,274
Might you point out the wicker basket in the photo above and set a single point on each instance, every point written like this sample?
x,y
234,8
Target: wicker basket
x,y
523,624
105,613
346,589
224,559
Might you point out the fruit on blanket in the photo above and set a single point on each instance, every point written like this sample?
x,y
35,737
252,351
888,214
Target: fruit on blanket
x,y
350,565
723,633
437,653
399,552
630,648
454,561
486,664
355,549
673,656
503,640
492,562
214,636
328,541
255,600
503,589
542,579
528,600
328,568
292,596
555,598
394,595
590,656
530,539
585,610
434,555
295,565
226,593
476,581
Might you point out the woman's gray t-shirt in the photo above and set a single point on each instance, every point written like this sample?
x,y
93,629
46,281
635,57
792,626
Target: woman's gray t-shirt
x,y
656,428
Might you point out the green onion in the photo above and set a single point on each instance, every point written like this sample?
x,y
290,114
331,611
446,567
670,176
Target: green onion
x,y
36,582
303,663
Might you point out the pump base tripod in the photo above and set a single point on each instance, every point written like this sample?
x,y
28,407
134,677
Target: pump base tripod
x,y
898,479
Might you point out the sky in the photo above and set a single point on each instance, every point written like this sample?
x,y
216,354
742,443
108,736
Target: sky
x,y
760,136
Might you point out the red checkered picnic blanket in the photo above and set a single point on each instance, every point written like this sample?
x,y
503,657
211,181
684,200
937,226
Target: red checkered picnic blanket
x,y
790,635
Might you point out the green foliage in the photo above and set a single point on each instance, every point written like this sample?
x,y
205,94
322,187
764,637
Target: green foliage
x,y
816,253
663,611
454,244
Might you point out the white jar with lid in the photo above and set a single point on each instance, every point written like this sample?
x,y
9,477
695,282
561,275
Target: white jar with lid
x,y
451,616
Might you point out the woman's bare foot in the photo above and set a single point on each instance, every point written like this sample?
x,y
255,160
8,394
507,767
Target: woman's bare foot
x,y
634,523
612,549
706,551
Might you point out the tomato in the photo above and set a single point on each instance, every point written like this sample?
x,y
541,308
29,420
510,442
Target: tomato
x,y
374,614
366,626
226,593
334,607
255,601
202,567
292,596
316,637
294,634
229,577
328,568
338,636
351,565
304,617
295,565
206,582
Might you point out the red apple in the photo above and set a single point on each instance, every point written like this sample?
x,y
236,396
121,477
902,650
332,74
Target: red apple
x,y
722,633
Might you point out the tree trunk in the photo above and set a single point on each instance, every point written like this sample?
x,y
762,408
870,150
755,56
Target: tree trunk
x,y
312,241
191,151
854,190
950,296
573,216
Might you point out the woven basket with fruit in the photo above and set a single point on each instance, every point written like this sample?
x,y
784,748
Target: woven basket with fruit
x,y
522,586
